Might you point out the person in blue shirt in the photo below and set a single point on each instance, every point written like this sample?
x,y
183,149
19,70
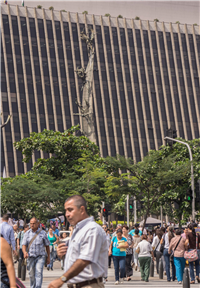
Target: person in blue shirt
x,y
55,230
119,256
132,232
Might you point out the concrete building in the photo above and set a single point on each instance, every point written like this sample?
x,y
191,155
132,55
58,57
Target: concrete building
x,y
146,79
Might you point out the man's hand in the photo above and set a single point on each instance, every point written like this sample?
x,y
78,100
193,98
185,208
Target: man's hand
x,y
48,260
56,283
61,250
15,252
25,255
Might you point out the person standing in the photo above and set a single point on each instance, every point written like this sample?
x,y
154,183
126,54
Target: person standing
x,y
36,254
7,270
20,237
177,245
156,247
53,239
119,257
86,261
108,237
21,224
145,252
55,230
8,233
136,241
166,238
129,252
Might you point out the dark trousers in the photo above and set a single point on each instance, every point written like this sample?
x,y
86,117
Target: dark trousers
x,y
145,267
21,254
158,256
167,263
119,262
128,268
109,260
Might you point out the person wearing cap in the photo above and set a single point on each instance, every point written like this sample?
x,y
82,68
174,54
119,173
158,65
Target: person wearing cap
x,y
86,261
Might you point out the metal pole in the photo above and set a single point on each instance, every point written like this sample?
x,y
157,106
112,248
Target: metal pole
x,y
135,210
103,205
161,216
127,206
192,173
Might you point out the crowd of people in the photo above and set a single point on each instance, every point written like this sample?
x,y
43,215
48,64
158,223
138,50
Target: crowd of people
x,y
128,249
137,248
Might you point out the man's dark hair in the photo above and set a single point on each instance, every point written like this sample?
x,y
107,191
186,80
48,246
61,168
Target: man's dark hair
x,y
178,231
125,226
137,231
78,201
136,225
26,226
195,225
5,217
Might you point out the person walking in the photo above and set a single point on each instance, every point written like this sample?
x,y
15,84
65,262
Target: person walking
x,y
129,252
20,237
7,271
8,233
156,247
136,226
145,252
108,237
166,239
119,226
53,239
118,252
86,261
36,241
177,247
192,238
136,241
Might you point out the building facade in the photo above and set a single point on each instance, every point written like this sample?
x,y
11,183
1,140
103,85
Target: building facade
x,y
146,79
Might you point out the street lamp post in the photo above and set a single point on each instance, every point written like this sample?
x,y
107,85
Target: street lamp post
x,y
192,172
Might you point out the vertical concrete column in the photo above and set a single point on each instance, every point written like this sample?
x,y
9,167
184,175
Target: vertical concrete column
x,y
16,81
192,77
9,97
94,91
170,80
74,63
178,82
125,87
185,80
148,88
58,70
4,139
141,88
66,70
79,40
134,96
32,67
162,76
50,70
41,69
155,82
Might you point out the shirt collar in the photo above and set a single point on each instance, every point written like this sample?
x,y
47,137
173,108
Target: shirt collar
x,y
36,230
82,223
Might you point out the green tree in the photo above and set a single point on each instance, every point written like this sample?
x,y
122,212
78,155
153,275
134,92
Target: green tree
x,y
119,16
177,22
85,12
156,20
137,18
107,15
51,8
63,10
39,7
195,24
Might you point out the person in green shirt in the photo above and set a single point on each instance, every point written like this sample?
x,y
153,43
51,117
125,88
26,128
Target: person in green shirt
x,y
53,239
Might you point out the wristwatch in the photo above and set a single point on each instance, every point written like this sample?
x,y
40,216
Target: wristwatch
x,y
63,278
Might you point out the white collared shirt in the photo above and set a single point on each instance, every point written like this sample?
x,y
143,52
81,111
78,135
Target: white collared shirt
x,y
88,242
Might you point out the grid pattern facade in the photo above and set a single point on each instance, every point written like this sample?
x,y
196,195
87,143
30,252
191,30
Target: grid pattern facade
x,y
146,79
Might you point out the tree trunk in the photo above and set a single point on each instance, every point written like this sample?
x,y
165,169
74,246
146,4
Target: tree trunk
x,y
116,219
145,219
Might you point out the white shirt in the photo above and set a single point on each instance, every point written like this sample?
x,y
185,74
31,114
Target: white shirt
x,y
21,222
166,239
155,243
145,249
108,240
88,242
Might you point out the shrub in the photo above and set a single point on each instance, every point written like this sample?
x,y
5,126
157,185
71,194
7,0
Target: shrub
x,y
107,15
119,16
137,18
51,8
177,22
195,24
39,7
156,20
85,12
63,10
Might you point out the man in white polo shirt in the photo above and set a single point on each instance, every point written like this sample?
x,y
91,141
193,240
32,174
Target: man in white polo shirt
x,y
86,261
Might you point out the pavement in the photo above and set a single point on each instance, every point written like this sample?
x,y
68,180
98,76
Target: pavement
x,y
48,276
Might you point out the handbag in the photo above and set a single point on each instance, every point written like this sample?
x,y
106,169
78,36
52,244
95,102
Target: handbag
x,y
172,254
162,245
192,255
24,261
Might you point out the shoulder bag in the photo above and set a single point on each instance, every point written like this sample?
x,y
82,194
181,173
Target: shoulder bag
x,y
192,255
172,254
24,262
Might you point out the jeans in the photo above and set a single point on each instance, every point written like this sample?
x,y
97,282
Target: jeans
x,y
191,266
145,263
3,285
119,262
167,265
179,263
158,256
35,267
136,261
21,254
52,257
